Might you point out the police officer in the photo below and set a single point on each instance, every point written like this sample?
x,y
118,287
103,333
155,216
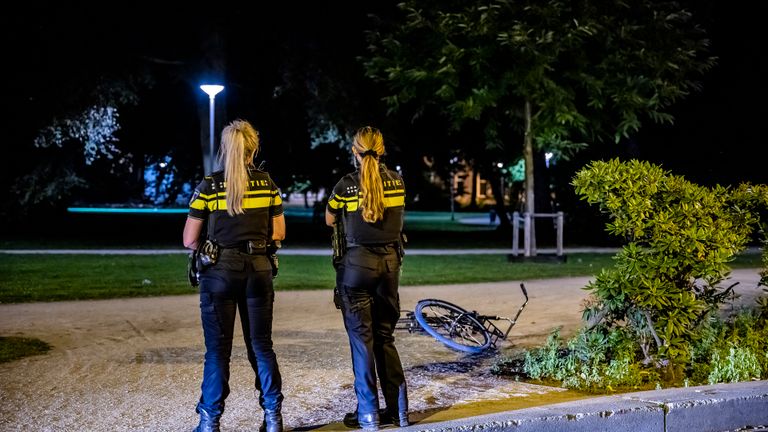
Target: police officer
x,y
370,203
243,211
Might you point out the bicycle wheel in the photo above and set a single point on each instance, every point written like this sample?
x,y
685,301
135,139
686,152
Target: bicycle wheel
x,y
452,325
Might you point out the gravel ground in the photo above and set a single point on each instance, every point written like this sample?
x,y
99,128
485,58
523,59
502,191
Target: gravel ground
x,y
136,364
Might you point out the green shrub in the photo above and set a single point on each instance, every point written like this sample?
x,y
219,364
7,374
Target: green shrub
x,y
762,301
680,238
736,350
738,364
764,272
591,360
654,316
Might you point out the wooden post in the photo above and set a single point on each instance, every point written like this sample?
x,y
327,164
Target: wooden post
x,y
559,233
527,236
515,233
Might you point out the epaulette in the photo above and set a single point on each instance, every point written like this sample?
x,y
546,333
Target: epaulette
x,y
212,181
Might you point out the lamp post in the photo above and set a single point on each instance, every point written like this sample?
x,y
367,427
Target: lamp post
x,y
500,166
212,91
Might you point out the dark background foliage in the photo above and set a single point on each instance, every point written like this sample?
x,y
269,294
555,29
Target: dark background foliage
x,y
293,69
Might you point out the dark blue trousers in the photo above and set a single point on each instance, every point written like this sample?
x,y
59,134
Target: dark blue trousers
x,y
368,280
238,282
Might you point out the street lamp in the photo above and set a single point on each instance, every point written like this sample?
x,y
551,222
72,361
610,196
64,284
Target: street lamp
x,y
212,91
500,166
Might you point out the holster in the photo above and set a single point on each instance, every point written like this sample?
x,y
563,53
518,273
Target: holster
x,y
337,297
207,254
271,250
401,246
192,270
338,243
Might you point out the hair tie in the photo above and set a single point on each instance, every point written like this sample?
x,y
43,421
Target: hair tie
x,y
370,153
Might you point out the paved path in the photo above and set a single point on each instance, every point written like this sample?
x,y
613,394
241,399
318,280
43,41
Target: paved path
x,y
134,364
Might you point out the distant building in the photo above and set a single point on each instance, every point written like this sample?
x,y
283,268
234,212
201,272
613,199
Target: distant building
x,y
465,181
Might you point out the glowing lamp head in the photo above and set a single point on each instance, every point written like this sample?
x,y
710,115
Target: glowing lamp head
x,y
212,89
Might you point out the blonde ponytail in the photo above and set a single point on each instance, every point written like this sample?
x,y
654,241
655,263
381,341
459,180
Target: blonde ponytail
x,y
369,144
239,142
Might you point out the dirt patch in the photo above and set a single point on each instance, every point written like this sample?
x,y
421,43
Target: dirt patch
x,y
136,364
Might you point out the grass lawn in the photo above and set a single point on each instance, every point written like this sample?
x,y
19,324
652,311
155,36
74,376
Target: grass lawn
x,y
32,278
162,231
13,348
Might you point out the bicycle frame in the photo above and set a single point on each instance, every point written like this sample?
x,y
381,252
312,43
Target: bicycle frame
x,y
495,332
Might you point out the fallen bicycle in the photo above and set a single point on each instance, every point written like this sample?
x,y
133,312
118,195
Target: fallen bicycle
x,y
457,327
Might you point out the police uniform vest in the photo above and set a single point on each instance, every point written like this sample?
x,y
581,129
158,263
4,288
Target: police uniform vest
x,y
345,202
261,202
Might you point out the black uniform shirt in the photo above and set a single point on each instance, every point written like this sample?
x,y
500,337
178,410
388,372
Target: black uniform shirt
x,y
261,202
345,203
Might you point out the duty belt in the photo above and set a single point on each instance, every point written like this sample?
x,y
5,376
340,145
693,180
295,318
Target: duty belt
x,y
373,245
251,247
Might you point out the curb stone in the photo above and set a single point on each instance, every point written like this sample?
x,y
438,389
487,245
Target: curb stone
x,y
714,408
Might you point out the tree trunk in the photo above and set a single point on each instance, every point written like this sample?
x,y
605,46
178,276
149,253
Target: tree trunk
x,y
529,184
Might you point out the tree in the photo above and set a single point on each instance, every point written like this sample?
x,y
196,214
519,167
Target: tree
x,y
80,137
552,75
75,91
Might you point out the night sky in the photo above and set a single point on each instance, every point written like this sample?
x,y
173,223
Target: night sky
x,y
719,134
55,54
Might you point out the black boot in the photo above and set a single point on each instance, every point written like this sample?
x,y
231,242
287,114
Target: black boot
x,y
207,423
368,422
399,419
273,421
365,421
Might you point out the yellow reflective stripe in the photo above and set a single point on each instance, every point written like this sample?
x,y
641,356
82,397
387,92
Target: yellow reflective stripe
x,y
397,201
206,196
394,201
220,204
248,203
211,204
341,198
259,202
198,204
252,199
337,201
257,192
394,191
